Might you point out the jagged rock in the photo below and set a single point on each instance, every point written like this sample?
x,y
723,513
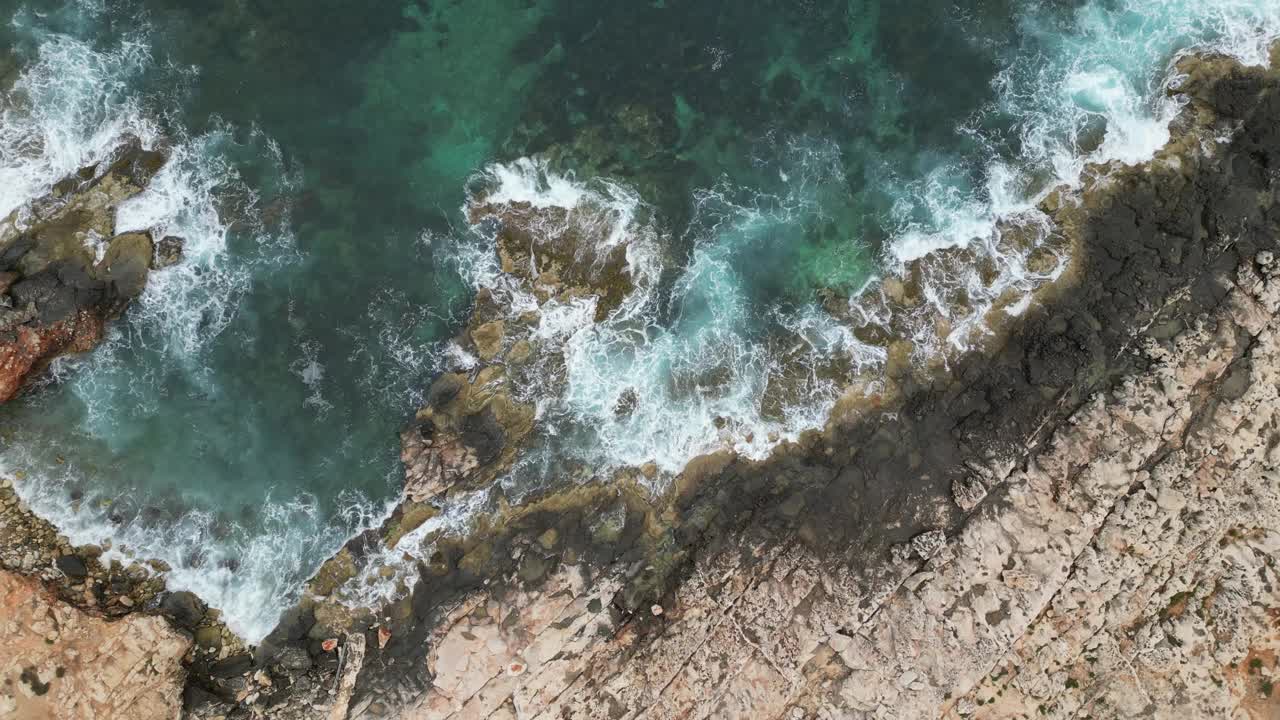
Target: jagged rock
x,y
967,492
1127,504
1122,563
31,347
927,544
469,432
169,252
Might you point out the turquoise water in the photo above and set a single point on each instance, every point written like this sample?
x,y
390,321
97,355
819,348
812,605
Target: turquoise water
x,y
241,422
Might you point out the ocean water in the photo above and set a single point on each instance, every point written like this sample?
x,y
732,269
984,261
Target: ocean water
x,y
757,161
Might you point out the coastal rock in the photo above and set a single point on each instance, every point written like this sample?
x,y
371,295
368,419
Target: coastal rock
x,y
169,251
65,271
30,347
59,662
1085,512
1080,520
126,263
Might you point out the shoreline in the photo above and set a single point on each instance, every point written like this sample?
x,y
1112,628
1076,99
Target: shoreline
x,y
895,479
869,490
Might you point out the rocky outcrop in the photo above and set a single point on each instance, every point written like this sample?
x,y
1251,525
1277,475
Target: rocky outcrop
x,y
86,633
1077,521
63,269
59,662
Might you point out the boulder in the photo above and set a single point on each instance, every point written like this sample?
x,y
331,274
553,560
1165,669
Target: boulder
x,y
184,608
169,251
72,566
126,263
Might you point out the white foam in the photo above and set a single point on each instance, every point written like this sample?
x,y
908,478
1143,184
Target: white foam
x,y
71,107
389,573
634,389
250,575
1092,94
68,109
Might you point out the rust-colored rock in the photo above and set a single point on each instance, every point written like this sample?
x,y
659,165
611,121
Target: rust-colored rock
x,y
30,348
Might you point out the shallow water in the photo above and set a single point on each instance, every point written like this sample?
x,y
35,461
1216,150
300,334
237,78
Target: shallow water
x,y
241,422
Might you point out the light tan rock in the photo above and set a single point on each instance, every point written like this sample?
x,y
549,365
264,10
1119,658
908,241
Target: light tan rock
x,y
61,663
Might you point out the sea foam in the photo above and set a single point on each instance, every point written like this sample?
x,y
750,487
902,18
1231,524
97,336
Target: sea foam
x,y
71,106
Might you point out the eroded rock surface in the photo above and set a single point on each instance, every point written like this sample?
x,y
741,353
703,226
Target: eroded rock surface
x,y
59,662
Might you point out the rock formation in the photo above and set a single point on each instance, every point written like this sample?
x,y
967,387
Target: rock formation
x,y
75,646
59,662
1081,519
63,269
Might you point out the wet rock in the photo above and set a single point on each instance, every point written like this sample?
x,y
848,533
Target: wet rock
x,y
184,608
232,666
333,573
1131,507
126,263
208,638
65,270
72,566
488,339
169,252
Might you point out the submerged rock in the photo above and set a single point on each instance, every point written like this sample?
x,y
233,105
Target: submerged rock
x,y
169,251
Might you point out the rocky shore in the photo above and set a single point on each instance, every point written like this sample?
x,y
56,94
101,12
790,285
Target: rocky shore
x,y
1081,519
64,271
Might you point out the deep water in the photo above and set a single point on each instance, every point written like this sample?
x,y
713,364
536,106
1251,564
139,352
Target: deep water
x,y
241,422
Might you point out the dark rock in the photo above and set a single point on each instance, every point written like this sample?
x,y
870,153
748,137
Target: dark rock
x,y
136,164
232,666
72,566
484,435
292,658
195,698
184,608
168,251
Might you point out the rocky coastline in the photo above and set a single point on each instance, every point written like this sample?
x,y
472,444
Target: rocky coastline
x,y
1081,518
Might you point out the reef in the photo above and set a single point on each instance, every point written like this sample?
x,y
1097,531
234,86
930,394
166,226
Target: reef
x,y
1078,517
